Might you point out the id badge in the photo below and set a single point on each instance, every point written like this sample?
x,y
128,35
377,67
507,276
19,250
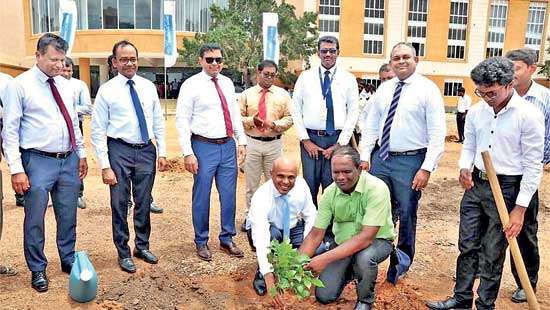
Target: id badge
x,y
323,109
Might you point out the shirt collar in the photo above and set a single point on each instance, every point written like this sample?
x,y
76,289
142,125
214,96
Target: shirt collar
x,y
270,89
408,80
276,193
533,91
512,104
42,77
331,70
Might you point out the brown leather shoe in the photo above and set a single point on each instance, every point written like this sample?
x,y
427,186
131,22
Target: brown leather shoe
x,y
203,252
232,249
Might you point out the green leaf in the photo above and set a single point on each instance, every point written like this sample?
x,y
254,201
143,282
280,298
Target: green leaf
x,y
318,283
272,291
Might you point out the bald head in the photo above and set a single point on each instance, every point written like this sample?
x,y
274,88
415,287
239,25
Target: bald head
x,y
283,173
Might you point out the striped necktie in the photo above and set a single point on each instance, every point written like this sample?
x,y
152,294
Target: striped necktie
x,y
286,217
385,140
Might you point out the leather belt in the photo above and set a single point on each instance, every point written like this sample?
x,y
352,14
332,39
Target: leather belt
x,y
322,133
133,145
60,155
210,140
409,153
266,139
480,175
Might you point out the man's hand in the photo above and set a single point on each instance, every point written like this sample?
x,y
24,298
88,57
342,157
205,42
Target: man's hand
x,y
420,180
465,179
317,264
108,176
162,164
365,165
311,148
278,301
515,224
241,154
328,152
82,168
258,122
20,183
191,163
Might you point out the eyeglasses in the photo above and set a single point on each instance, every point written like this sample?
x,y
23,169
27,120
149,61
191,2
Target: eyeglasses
x,y
488,94
404,57
210,60
332,51
269,75
127,60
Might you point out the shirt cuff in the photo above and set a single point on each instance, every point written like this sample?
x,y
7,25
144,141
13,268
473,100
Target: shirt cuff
x,y
242,139
16,167
523,200
104,162
81,153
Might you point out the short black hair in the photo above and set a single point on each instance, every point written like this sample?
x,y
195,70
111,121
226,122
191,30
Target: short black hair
x,y
461,90
267,63
493,70
110,60
347,150
409,45
328,39
527,55
384,68
121,44
209,47
51,39
68,62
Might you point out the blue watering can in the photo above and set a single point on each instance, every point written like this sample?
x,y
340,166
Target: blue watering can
x,y
83,278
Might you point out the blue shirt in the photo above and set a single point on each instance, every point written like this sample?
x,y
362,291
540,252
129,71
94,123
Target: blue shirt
x,y
540,97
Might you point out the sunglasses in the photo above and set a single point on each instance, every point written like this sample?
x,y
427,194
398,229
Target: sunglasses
x,y
488,94
210,60
332,51
125,61
269,75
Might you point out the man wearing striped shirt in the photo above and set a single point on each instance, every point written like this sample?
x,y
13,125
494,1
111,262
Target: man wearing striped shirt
x,y
525,65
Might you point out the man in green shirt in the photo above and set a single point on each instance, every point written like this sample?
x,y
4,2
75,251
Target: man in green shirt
x,y
358,206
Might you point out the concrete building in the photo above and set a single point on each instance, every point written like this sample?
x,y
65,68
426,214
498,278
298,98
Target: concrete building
x,y
451,36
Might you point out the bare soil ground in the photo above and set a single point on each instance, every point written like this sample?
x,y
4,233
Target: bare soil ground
x,y
182,281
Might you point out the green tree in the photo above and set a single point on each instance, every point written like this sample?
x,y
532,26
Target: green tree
x,y
238,29
545,67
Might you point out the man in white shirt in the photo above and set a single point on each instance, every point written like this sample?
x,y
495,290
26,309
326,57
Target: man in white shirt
x,y
4,270
45,154
325,112
126,117
464,102
512,131
281,208
525,65
406,124
208,119
83,107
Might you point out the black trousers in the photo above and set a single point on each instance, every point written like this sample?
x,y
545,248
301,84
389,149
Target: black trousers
x,y
482,243
135,165
528,243
81,192
460,120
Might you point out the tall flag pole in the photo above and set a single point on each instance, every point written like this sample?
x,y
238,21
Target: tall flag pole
x,y
170,46
67,22
271,36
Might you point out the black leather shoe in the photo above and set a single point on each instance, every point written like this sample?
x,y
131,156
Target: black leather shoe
x,y
232,249
203,252
259,283
39,281
66,268
519,296
146,255
450,303
362,306
127,264
155,209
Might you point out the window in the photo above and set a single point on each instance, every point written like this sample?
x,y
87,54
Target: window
x,y
110,14
95,20
126,19
329,17
194,15
417,25
451,87
373,37
143,14
374,81
535,25
497,28
45,15
458,24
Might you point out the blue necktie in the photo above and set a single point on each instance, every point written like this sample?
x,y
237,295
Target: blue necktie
x,y
286,217
139,113
327,94
385,141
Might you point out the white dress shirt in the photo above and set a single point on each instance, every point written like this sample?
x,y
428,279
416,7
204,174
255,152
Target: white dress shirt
x,y
266,208
81,96
463,103
32,119
540,97
114,115
514,137
199,110
309,108
419,120
4,80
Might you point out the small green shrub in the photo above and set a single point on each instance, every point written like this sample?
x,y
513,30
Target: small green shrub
x,y
288,268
